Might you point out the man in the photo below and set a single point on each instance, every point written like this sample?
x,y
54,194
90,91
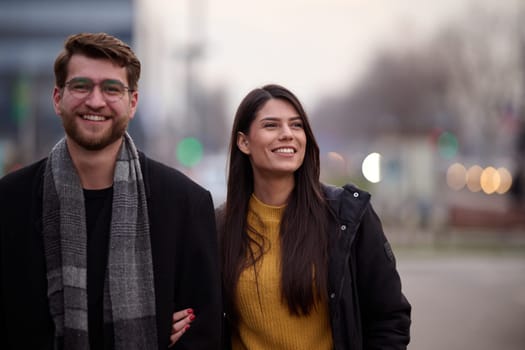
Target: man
x,y
100,245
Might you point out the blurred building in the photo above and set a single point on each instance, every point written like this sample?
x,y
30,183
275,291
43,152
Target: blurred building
x,y
168,37
172,44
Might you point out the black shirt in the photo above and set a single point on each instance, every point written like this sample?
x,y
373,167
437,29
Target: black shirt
x,y
98,205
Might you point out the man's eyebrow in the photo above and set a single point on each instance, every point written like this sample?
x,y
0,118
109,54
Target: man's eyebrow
x,y
112,81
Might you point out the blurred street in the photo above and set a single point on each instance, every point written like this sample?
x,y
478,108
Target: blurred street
x,y
465,298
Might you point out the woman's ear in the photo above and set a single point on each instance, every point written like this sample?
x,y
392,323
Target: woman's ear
x,y
242,143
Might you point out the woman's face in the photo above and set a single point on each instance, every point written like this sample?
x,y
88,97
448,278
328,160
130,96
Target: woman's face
x,y
276,141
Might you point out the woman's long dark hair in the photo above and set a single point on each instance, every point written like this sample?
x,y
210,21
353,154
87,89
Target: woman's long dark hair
x,y
303,231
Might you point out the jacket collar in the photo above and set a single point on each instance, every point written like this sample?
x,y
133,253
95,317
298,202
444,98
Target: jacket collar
x,y
348,203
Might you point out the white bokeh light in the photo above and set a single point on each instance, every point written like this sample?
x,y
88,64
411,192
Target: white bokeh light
x,y
371,167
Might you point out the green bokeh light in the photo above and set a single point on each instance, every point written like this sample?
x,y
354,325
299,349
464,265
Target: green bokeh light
x,y
189,151
448,145
21,99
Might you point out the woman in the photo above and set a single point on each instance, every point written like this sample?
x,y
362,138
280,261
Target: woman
x,y
304,265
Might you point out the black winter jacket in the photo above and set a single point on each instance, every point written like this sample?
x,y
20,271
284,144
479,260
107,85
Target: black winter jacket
x,y
368,311
367,308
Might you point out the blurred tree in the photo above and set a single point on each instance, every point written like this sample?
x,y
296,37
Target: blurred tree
x,y
460,81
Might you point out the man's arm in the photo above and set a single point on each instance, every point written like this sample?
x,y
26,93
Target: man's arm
x,y
200,285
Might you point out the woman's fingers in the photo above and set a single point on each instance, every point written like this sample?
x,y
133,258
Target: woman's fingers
x,y
180,323
181,319
179,315
174,337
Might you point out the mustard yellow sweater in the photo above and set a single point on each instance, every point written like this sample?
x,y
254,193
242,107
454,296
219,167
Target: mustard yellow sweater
x,y
268,325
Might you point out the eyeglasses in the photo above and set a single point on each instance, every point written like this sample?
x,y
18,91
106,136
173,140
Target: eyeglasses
x,y
112,90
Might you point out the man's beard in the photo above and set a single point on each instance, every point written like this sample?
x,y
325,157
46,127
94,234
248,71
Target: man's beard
x,y
94,143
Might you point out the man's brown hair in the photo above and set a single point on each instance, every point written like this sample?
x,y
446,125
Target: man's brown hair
x,y
99,46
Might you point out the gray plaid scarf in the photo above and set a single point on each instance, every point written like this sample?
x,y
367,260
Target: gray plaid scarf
x,y
129,297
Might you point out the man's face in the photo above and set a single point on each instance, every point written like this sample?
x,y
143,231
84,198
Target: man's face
x,y
95,119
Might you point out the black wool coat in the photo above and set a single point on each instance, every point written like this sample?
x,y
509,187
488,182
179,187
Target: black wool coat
x,y
184,250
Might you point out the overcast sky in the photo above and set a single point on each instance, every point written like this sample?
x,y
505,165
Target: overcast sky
x,y
313,47
317,48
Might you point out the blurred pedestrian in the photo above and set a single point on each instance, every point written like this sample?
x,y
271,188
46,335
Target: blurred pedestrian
x,y
304,265
100,244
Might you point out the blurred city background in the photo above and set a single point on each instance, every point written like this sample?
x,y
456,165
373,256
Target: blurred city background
x,y
422,103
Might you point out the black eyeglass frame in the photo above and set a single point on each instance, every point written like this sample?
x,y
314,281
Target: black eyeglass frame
x,y
105,85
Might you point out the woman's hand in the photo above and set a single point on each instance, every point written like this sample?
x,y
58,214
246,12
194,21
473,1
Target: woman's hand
x,y
180,323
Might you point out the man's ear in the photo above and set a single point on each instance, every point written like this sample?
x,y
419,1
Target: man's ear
x,y
133,103
57,97
242,143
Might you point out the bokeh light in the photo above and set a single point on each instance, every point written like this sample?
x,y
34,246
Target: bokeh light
x,y
371,167
456,176
447,145
505,181
335,156
489,180
189,151
473,178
